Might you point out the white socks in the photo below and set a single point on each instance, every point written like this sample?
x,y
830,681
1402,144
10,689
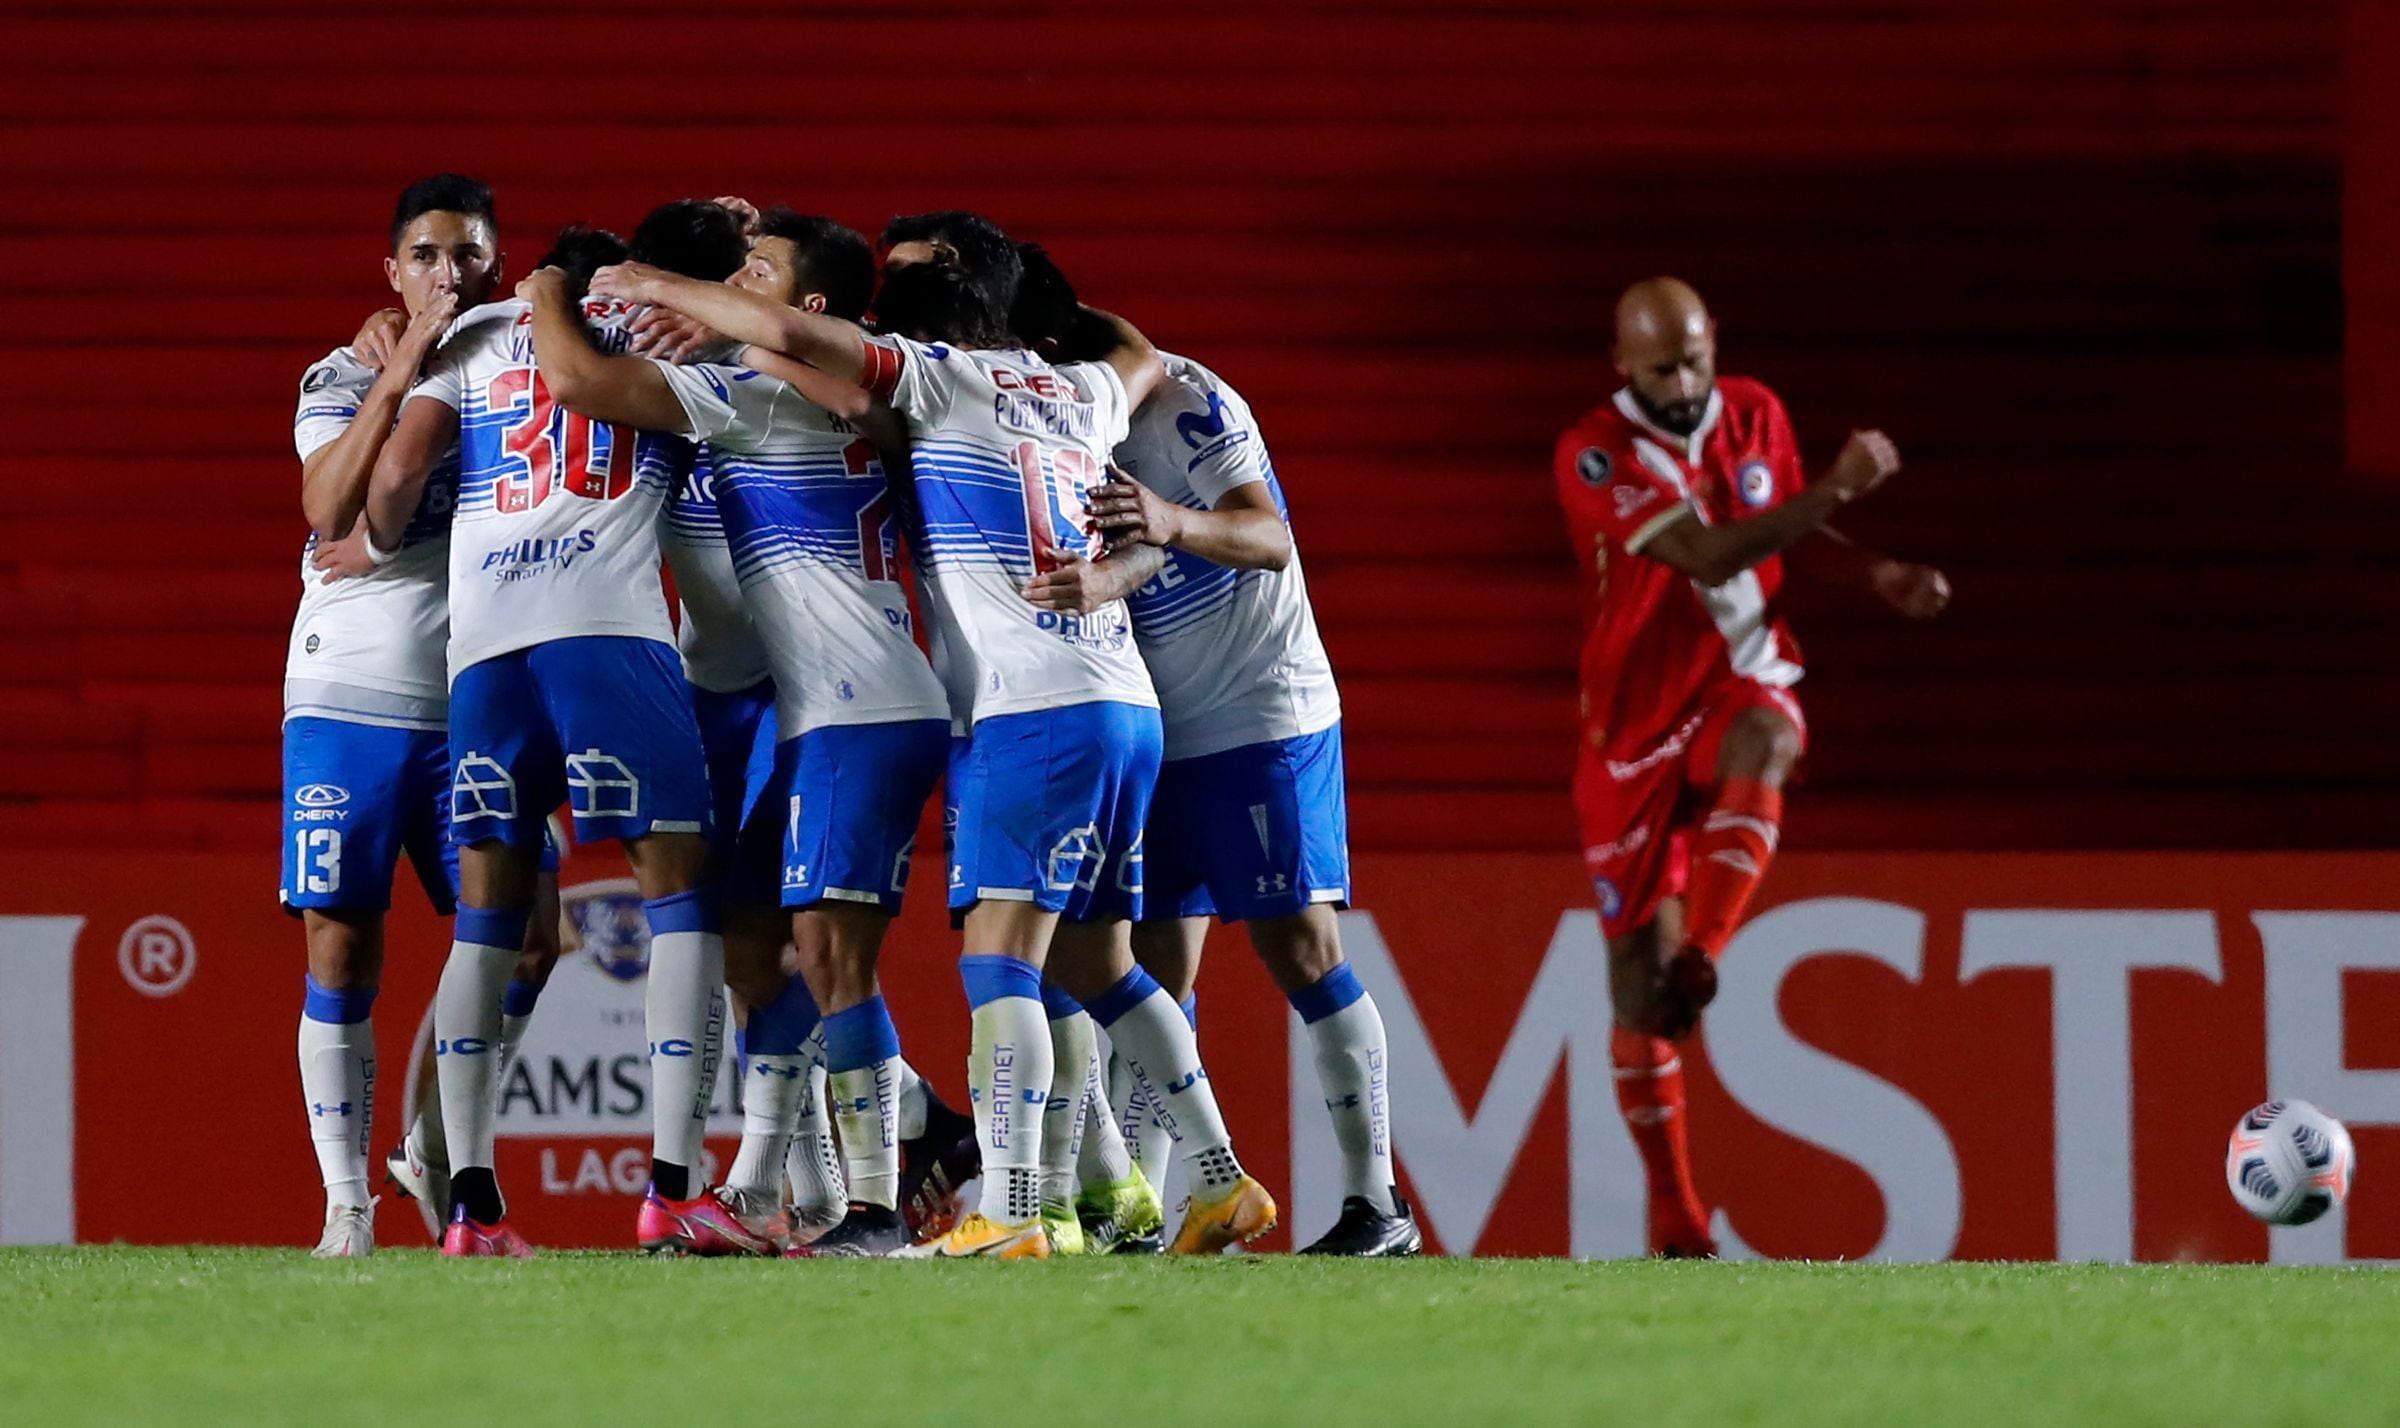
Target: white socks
x,y
1008,1073
773,1088
1102,1160
1149,1030
813,1165
466,1029
1146,1142
1074,1059
865,1075
337,1078
1347,1033
684,1013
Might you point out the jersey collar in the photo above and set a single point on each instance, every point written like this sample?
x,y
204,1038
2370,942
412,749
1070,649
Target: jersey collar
x,y
1689,446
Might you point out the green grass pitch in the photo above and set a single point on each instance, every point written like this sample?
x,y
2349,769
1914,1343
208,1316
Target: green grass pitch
x,y
121,1335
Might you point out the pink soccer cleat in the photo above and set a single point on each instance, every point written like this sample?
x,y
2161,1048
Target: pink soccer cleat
x,y
468,1240
703,1225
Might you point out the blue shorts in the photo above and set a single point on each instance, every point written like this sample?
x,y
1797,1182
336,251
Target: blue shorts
x,y
853,794
1049,808
737,737
1258,831
602,723
355,798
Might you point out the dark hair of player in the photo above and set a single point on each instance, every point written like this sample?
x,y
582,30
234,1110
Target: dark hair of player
x,y
582,250
1049,318
835,259
692,237
965,297
442,193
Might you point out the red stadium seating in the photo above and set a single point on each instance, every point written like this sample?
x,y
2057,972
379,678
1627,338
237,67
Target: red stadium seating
x,y
2103,325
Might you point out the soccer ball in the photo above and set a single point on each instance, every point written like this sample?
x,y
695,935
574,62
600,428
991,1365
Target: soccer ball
x,y
2289,1162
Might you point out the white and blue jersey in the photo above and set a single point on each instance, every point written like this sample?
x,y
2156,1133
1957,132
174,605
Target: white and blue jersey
x,y
1234,653
1251,817
365,693
565,683
367,649
732,685
1050,788
556,529
813,531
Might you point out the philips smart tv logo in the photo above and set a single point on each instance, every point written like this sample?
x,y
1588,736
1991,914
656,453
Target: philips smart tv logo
x,y
538,555
1106,630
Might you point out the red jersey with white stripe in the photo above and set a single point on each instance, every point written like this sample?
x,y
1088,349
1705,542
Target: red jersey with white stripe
x,y
1656,644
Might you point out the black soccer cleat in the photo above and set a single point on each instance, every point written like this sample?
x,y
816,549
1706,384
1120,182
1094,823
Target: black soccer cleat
x,y
1154,1242
1364,1232
934,1167
866,1232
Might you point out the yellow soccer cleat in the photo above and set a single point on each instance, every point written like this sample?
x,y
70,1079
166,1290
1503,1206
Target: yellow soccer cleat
x,y
1118,1213
1064,1230
978,1236
1238,1216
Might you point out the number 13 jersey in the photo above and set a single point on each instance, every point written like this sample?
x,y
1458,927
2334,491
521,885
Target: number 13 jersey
x,y
556,530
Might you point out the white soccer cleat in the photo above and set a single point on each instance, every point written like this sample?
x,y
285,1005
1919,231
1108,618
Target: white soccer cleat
x,y
349,1233
425,1183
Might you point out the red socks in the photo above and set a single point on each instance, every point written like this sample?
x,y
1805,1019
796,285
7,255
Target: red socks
x,y
1650,1093
1736,842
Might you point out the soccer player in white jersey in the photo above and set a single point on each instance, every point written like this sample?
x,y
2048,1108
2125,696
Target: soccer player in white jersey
x,y
810,527
565,687
366,778
1250,821
1053,780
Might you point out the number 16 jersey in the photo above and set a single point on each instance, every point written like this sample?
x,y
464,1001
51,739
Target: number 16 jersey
x,y
556,529
1006,449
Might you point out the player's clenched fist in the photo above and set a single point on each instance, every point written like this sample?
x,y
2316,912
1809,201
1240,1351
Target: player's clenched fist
x,y
1868,459
1919,592
378,337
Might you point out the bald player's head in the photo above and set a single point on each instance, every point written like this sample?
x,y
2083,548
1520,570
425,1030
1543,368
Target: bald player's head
x,y
1667,352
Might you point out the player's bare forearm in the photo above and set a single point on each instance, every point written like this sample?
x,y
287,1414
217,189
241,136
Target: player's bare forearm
x,y
826,343
1079,586
1243,538
333,480
1715,554
1123,347
425,430
847,400
623,391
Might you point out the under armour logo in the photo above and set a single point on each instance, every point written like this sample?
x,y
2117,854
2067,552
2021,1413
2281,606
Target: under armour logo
x,y
1274,883
320,1108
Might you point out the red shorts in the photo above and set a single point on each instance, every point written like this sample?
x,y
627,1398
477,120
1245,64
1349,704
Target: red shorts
x,y
1637,814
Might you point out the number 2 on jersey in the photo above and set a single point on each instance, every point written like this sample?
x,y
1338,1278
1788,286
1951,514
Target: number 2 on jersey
x,y
561,449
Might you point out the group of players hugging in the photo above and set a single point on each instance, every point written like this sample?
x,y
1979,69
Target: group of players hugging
x,y
1119,688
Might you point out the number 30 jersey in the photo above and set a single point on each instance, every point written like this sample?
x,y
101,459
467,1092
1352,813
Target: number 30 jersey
x,y
1005,450
368,649
556,532
809,516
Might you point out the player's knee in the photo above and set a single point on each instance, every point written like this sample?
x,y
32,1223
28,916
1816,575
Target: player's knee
x,y
1633,978
1761,744
345,950
1299,950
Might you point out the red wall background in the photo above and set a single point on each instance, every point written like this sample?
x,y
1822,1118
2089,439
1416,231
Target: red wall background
x,y
2080,256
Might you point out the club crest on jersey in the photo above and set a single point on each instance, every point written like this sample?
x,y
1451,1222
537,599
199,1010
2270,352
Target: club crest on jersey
x,y
1612,902
1593,465
1755,482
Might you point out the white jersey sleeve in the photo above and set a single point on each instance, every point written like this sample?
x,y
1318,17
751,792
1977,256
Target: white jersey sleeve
x,y
1216,440
920,380
330,394
478,335
729,406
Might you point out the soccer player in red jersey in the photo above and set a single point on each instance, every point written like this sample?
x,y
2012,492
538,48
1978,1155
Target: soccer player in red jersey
x,y
1684,495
